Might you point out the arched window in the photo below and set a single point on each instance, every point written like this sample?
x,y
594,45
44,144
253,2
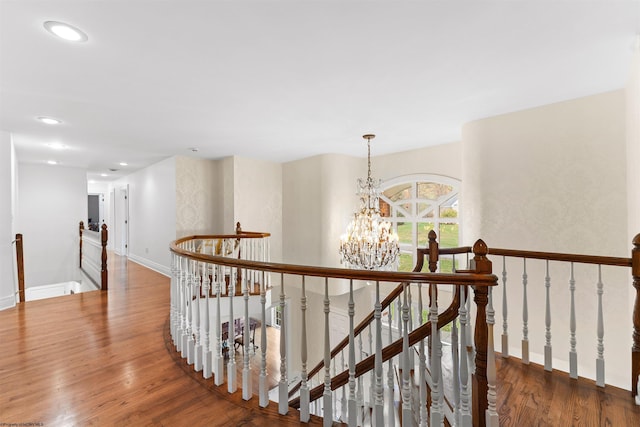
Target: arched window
x,y
416,204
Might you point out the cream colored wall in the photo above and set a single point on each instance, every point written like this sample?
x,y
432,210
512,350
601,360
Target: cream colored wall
x,y
442,159
257,195
196,196
553,179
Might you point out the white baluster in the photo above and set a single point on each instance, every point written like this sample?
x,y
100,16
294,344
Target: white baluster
x,y
491,413
189,347
184,278
197,360
263,391
352,419
372,374
422,360
359,394
218,360
407,414
172,316
328,403
437,411
455,357
283,392
343,400
412,361
335,394
505,333
247,391
391,408
471,351
600,359
304,388
465,392
207,356
232,385
525,316
378,403
573,355
548,360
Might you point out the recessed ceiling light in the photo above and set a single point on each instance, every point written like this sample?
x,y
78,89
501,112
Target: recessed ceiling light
x,y
52,162
65,31
123,164
91,181
57,146
50,120
103,174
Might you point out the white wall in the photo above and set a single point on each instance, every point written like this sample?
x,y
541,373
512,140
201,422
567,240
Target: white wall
x,y
152,214
553,179
8,286
52,202
633,145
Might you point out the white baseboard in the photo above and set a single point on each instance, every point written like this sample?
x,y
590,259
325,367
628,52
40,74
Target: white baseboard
x,y
162,269
7,302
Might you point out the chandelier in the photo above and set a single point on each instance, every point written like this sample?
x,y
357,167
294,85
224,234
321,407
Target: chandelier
x,y
369,243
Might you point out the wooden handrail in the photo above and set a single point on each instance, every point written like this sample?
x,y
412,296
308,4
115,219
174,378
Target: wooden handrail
x,y
337,273
551,256
20,267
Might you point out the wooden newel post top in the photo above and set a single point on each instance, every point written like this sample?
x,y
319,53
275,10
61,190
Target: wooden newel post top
x,y
238,228
104,234
433,251
480,263
81,227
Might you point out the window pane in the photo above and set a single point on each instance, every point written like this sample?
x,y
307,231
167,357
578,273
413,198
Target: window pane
x,y
446,265
448,237
449,209
406,262
408,208
405,231
432,190
423,233
422,209
398,192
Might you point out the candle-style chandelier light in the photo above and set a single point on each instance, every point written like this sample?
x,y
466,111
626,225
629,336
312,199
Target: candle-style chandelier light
x,y
369,243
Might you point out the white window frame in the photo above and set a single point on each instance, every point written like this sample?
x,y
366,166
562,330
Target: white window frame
x,y
417,217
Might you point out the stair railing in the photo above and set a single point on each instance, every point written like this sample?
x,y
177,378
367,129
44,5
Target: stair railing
x,y
93,255
553,263
241,262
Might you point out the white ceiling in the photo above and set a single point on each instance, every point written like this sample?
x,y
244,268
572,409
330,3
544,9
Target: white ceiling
x,y
282,80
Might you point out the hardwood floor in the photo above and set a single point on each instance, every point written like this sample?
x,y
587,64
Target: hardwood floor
x,y
105,359
99,359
